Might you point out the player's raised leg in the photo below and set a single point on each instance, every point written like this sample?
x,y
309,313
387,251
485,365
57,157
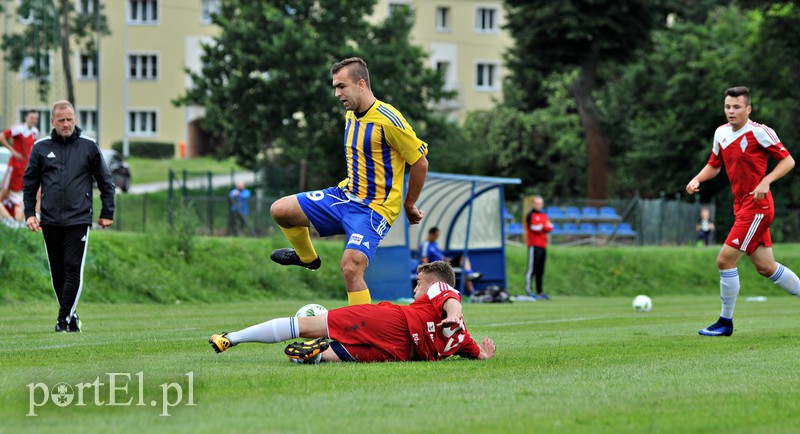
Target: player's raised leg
x,y
294,224
764,261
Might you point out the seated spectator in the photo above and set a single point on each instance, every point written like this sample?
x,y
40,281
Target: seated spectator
x,y
429,251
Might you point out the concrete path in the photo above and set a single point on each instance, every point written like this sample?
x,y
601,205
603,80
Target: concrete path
x,y
221,180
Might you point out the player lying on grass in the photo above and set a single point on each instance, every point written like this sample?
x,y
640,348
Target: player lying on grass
x,y
431,328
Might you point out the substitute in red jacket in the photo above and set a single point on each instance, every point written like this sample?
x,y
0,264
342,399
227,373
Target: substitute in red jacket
x,y
537,227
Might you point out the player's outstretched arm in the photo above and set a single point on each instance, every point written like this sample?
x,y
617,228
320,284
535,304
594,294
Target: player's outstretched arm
x,y
487,348
705,174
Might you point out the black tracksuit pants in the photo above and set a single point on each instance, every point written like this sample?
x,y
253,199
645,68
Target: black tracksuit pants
x,y
537,256
66,251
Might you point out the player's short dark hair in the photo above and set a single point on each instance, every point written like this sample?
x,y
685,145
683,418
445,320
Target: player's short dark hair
x,y
356,67
440,271
433,230
739,91
29,111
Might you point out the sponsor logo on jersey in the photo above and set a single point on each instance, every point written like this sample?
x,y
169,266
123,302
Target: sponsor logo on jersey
x,y
431,327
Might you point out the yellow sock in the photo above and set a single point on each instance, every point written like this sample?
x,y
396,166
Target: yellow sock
x,y
359,297
301,241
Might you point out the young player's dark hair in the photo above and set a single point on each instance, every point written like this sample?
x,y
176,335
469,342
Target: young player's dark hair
x,y
440,271
739,91
356,67
433,230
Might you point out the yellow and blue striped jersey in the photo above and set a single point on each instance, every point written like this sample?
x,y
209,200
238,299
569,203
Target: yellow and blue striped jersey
x,y
377,147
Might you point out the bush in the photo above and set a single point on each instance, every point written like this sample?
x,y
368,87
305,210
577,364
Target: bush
x,y
147,149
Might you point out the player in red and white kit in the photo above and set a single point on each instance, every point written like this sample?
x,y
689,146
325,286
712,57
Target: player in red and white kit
x,y
537,227
744,146
22,137
431,328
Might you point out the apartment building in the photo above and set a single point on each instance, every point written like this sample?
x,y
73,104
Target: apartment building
x,y
140,68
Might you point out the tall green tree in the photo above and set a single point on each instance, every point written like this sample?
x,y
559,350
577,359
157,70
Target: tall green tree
x,y
584,35
52,26
266,84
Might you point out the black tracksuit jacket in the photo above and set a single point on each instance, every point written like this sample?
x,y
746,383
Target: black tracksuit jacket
x,y
64,168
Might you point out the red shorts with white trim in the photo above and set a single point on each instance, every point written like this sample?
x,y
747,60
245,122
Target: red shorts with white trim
x,y
751,230
13,177
371,332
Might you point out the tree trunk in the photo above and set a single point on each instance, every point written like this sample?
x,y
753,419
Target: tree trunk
x,y
597,145
66,51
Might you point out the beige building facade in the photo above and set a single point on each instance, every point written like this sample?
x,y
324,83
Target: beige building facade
x,y
141,65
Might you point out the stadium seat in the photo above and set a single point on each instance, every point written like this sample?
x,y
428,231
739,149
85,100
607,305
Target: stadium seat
x,y
557,229
608,213
588,229
605,228
572,212
555,213
514,228
570,229
625,229
589,213
507,216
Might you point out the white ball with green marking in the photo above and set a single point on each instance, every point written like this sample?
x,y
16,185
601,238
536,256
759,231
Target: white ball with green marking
x,y
312,309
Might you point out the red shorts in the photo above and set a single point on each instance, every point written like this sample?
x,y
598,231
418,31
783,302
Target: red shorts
x,y
13,178
750,231
371,332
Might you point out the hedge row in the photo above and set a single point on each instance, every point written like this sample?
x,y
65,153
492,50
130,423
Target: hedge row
x,y
147,149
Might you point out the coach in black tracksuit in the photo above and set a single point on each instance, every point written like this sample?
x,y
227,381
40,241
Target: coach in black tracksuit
x,y
64,165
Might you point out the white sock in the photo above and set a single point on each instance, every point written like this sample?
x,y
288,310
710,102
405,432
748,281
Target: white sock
x,y
270,332
786,279
728,290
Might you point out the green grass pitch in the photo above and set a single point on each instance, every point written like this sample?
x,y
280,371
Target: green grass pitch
x,y
573,364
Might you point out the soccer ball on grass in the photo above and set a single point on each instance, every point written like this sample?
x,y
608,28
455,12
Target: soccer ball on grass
x,y
642,303
312,309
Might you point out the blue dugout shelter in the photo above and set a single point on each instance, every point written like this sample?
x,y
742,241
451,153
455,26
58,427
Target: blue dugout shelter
x,y
468,210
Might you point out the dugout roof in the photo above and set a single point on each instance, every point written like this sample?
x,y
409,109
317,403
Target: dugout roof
x,y
468,210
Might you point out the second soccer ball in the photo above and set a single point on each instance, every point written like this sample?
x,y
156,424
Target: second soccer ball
x,y
642,303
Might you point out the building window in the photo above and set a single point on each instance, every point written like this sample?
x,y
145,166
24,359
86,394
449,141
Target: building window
x,y
87,120
208,7
442,19
88,67
486,76
486,20
143,123
87,6
143,66
442,67
396,6
30,67
143,11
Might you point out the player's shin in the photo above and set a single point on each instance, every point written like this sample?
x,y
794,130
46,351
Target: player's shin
x,y
269,332
786,279
728,290
300,239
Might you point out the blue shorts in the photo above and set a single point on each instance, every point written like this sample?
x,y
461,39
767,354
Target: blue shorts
x,y
332,213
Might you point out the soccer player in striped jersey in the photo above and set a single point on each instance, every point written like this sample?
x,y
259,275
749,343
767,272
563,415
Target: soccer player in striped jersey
x,y
378,143
744,147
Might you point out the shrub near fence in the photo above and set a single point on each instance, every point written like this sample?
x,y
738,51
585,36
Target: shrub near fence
x,y
147,149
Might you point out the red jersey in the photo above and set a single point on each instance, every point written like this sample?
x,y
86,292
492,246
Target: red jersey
x,y
23,139
745,153
435,343
537,227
